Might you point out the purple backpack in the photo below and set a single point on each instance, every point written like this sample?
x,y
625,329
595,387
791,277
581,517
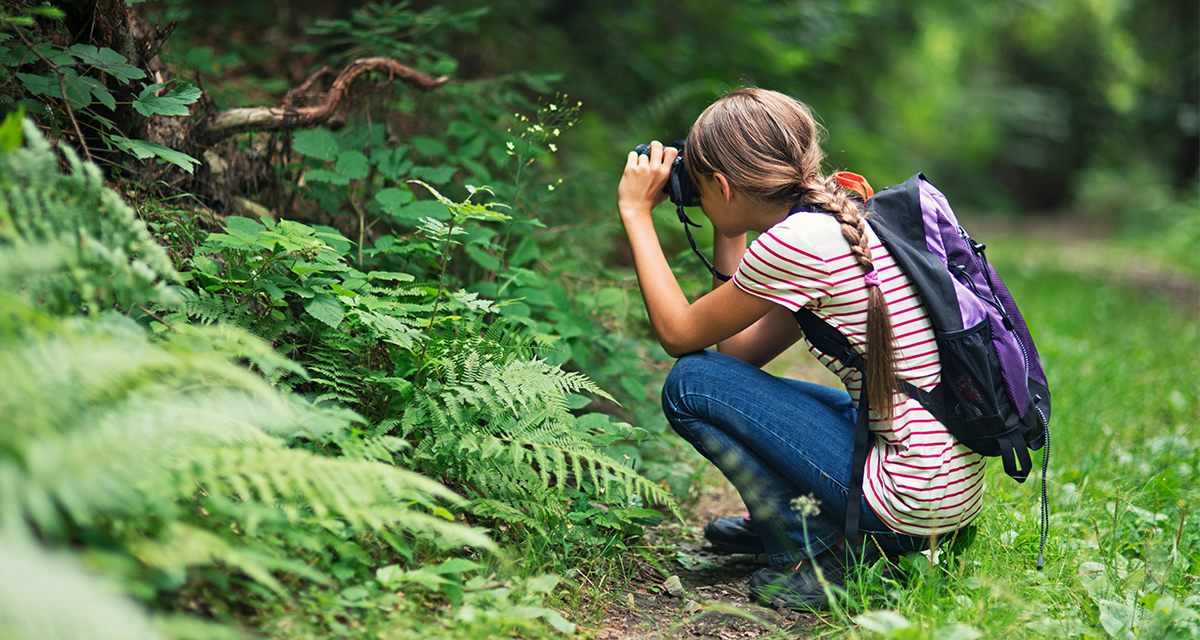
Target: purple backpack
x,y
993,394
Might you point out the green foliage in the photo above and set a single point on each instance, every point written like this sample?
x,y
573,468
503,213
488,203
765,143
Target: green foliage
x,y
173,463
483,413
76,80
394,30
110,257
40,591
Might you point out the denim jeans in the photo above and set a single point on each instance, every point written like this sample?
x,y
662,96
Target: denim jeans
x,y
775,440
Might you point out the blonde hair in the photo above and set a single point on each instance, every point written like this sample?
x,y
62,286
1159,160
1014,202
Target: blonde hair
x,y
767,145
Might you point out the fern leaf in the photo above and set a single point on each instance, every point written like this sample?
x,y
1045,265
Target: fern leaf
x,y
51,597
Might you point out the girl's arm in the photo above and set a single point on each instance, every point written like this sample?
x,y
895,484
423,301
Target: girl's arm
x,y
681,327
759,343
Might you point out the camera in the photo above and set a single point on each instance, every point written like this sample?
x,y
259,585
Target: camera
x,y
683,193
679,187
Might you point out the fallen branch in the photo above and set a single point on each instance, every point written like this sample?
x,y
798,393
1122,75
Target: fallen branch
x,y
230,122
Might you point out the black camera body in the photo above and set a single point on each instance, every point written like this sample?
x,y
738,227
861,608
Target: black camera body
x,y
679,187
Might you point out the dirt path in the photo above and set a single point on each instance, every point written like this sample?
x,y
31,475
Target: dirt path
x,y
705,595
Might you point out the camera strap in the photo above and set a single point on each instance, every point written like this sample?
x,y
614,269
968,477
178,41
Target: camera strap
x,y
686,223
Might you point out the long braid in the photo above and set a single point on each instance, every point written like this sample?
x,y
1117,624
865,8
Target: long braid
x,y
881,355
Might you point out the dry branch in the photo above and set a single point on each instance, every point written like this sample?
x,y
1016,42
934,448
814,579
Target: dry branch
x,y
230,122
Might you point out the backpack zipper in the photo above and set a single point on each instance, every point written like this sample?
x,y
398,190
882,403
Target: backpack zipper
x,y
978,248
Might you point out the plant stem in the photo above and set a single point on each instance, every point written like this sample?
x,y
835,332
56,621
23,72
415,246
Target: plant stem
x,y
437,299
62,90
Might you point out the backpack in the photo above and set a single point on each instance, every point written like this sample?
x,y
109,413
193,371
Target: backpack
x,y
993,394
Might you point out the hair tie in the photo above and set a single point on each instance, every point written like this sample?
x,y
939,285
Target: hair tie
x,y
872,278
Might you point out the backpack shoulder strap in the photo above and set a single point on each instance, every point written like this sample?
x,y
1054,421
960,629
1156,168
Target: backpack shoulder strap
x,y
826,339
897,217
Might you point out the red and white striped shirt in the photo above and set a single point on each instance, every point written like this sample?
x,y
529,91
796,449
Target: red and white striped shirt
x,y
919,479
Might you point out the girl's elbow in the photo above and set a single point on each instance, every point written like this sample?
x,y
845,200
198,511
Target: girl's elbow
x,y
677,352
676,347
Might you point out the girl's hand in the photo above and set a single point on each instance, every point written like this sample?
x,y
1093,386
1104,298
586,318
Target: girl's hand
x,y
641,187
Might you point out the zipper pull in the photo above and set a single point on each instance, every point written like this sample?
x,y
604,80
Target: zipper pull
x,y
977,247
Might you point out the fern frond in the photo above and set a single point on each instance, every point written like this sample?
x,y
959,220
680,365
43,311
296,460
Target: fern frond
x,y
185,546
111,259
379,448
605,472
501,426
45,596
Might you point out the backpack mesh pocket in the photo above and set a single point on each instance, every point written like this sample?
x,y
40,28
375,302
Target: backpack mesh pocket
x,y
972,375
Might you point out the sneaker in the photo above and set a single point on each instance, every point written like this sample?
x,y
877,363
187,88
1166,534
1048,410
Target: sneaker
x,y
733,535
799,588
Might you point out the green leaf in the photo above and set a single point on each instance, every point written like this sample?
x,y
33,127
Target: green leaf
x,y
882,622
457,565
641,516
35,84
435,175
460,129
247,225
78,92
172,103
99,91
391,199
324,175
423,577
555,619
526,252
325,308
316,143
957,632
423,209
352,164
389,574
390,275
108,61
53,13
272,290
143,150
391,162
428,146
1116,617
483,258
11,135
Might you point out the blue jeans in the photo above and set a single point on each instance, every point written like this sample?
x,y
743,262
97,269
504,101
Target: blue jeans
x,y
775,440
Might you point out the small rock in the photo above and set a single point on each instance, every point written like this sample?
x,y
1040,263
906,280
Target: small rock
x,y
691,606
674,586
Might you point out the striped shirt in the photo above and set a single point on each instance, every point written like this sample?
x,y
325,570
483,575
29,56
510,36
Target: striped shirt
x,y
918,478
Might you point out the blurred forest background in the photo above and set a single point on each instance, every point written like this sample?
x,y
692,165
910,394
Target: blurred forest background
x,y
1028,108
297,345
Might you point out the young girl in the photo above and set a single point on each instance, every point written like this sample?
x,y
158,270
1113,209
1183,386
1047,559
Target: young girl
x,y
755,158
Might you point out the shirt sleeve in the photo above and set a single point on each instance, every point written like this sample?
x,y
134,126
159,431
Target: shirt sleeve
x,y
782,267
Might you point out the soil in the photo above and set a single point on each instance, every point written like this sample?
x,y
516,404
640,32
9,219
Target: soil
x,y
712,602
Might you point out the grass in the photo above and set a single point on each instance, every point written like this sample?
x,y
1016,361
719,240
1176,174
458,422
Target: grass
x,y
1123,558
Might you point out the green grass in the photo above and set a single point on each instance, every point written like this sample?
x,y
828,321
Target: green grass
x,y
1123,558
